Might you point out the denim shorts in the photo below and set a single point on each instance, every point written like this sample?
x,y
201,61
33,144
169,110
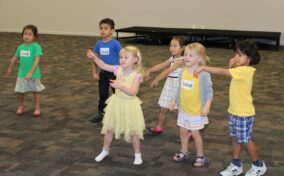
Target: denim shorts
x,y
241,127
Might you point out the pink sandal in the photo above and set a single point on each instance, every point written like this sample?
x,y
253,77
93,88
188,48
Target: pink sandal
x,y
20,110
37,112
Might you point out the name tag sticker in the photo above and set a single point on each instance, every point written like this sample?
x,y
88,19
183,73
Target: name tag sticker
x,y
187,84
25,53
104,51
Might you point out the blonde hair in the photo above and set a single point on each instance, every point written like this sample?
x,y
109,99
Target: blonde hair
x,y
200,50
136,53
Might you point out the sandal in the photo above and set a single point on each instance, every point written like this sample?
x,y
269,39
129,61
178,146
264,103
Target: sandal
x,y
181,156
20,110
37,112
200,161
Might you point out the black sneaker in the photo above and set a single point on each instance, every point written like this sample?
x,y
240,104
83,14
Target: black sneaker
x,y
96,118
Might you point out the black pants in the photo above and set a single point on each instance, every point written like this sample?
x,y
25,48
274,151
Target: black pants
x,y
104,89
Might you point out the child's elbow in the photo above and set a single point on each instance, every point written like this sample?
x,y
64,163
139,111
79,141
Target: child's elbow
x,y
134,93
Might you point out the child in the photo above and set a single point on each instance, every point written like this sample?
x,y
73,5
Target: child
x,y
28,80
123,113
193,97
241,109
172,67
108,50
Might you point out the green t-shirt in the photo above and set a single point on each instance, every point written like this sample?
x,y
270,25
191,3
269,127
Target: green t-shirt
x,y
27,54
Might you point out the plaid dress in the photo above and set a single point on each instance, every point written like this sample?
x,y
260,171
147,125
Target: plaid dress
x,y
170,86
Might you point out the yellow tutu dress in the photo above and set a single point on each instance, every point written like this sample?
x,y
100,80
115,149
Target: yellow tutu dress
x,y
123,113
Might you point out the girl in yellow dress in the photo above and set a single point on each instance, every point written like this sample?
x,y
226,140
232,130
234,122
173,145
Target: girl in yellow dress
x,y
123,113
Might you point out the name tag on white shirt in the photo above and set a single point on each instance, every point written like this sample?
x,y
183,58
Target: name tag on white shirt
x,y
186,84
104,51
24,53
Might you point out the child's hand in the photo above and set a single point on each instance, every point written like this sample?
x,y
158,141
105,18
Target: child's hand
x,y
147,76
29,76
90,54
172,105
96,76
117,84
232,62
153,84
197,71
205,111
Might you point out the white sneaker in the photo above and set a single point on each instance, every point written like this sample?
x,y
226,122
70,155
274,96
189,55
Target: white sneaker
x,y
256,171
138,159
102,155
232,170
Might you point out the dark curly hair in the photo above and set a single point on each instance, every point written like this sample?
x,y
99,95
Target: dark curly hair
x,y
249,48
31,27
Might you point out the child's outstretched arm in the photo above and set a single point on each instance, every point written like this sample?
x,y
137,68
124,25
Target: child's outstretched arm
x,y
13,60
213,70
35,64
99,62
166,72
131,91
155,68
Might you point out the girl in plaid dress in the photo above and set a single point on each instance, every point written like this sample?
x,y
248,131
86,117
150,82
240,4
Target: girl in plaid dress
x,y
171,69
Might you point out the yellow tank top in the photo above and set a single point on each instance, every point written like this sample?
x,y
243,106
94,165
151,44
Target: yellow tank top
x,y
190,100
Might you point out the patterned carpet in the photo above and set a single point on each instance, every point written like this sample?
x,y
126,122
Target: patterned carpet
x,y
63,143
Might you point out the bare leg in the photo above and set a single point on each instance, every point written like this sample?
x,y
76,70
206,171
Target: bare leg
x,y
251,148
135,143
236,148
107,140
37,99
162,117
106,146
184,139
183,154
198,142
20,98
137,153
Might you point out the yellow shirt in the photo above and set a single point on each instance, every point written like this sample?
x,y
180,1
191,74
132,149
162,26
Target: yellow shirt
x,y
190,100
241,101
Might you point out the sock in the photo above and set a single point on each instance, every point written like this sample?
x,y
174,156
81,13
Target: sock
x,y
102,155
258,163
137,159
237,162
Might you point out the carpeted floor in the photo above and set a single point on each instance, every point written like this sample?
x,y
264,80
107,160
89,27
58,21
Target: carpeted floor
x,y
63,143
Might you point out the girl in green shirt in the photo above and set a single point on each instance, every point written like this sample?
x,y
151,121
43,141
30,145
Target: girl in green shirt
x,y
28,80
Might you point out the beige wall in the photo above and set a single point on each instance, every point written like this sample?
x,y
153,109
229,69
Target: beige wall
x,y
81,17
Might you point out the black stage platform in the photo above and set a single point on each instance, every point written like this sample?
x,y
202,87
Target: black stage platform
x,y
203,35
